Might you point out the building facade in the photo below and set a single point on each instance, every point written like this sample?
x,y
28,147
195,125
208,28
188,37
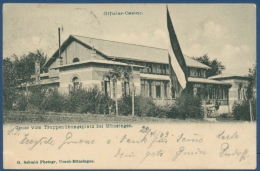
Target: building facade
x,y
86,61
237,92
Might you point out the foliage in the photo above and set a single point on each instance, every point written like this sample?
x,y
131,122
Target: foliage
x,y
144,106
251,88
241,111
20,102
17,70
88,101
125,105
78,101
187,106
54,101
9,83
36,95
215,65
118,73
25,65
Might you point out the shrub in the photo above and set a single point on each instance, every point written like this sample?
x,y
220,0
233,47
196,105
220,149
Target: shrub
x,y
125,105
187,106
32,109
21,102
144,106
54,102
88,101
37,94
241,111
162,111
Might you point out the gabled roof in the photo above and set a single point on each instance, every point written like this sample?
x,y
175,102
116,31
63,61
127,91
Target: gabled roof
x,y
204,80
97,61
112,49
223,76
193,63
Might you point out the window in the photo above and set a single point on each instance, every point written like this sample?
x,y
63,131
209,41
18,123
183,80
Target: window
x,y
165,90
75,82
114,89
199,73
75,60
158,89
142,87
149,67
173,92
243,94
167,69
150,88
146,88
105,86
239,94
125,88
188,71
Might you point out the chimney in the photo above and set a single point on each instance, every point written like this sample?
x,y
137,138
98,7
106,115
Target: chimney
x,y
60,58
219,70
37,72
93,53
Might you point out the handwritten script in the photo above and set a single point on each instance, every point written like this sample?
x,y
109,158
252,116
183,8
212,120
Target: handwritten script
x,y
156,144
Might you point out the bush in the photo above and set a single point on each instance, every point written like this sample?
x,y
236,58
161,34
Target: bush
x,y
144,106
162,111
36,95
125,105
88,101
54,102
241,111
32,109
187,106
21,102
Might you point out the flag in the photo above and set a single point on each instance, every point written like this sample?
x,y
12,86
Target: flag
x,y
177,64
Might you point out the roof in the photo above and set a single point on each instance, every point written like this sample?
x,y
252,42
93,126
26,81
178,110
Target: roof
x,y
50,80
112,49
42,75
220,76
44,81
98,61
155,77
193,63
204,80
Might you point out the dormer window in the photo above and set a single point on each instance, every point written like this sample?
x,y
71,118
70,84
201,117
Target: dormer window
x,y
75,60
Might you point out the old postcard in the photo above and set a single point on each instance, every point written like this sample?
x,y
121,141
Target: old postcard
x,y
129,86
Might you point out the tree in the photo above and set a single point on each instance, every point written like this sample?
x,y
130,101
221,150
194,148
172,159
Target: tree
x,y
118,73
9,83
251,88
215,65
247,109
25,65
18,70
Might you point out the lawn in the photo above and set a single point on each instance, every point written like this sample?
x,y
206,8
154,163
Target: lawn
x,y
53,117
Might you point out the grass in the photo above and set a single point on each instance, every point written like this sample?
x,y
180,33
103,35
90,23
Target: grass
x,y
53,117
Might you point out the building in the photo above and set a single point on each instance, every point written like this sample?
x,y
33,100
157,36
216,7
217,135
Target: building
x,y
237,93
86,61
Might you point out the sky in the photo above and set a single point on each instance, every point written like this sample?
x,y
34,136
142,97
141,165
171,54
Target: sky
x,y
226,32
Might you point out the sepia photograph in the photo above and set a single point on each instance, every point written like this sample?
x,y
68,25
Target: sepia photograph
x,y
129,86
